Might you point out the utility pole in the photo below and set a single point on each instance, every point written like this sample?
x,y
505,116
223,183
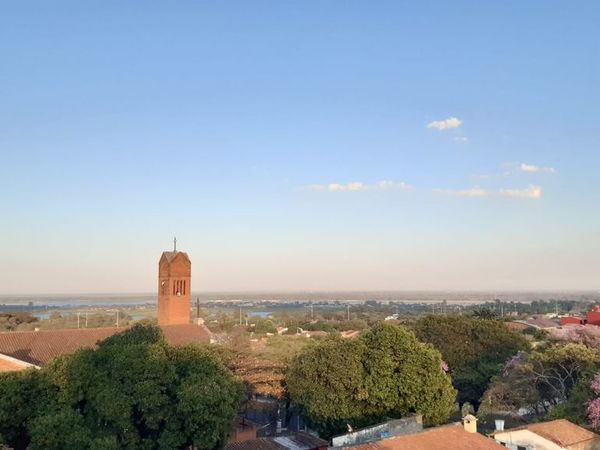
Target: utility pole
x,y
348,307
78,319
240,316
86,319
197,308
117,318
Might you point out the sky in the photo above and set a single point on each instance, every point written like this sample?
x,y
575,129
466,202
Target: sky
x,y
300,145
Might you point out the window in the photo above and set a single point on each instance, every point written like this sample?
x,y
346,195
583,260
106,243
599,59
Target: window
x,y
521,447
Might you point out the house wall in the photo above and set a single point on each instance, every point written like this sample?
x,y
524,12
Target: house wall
x,y
593,317
398,427
571,320
525,438
10,364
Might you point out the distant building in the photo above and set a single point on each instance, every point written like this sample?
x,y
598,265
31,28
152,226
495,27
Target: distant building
x,y
592,318
572,320
350,333
554,435
313,334
22,349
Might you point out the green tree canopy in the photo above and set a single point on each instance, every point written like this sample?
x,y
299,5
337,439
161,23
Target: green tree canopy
x,y
385,373
474,349
133,392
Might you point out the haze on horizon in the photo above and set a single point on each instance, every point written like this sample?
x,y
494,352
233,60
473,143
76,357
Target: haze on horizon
x,y
300,146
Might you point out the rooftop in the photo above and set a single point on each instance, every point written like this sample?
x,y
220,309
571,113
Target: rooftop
x,y
448,437
171,255
292,441
41,347
561,432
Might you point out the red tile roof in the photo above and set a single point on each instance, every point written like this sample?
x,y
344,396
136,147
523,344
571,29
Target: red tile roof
x,y
448,437
562,432
41,347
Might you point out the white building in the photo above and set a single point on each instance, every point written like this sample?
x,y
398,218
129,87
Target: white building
x,y
554,435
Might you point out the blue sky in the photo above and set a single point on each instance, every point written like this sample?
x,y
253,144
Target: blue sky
x,y
300,145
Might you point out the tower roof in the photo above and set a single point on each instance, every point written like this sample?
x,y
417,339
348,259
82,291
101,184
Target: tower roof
x,y
170,256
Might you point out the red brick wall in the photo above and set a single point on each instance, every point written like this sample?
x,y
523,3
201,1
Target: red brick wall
x,y
174,309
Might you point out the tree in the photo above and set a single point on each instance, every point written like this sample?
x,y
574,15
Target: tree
x,y
558,369
23,396
133,392
553,380
263,326
593,406
474,349
386,372
513,389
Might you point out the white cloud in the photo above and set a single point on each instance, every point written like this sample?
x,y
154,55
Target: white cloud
x,y
472,192
447,124
383,185
461,139
530,168
530,192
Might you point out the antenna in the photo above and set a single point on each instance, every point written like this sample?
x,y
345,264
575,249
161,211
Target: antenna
x,y
174,244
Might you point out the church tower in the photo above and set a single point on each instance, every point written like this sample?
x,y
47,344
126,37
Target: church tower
x,y
174,288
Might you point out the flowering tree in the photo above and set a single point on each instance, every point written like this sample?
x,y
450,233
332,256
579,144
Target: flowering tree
x,y
593,406
551,380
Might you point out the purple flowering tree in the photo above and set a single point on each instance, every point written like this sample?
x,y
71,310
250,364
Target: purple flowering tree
x,y
593,406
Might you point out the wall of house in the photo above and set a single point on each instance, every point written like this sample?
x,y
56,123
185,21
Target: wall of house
x,y
397,427
10,364
525,438
593,316
571,321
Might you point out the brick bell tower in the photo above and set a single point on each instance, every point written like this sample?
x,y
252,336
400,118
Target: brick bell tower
x,y
174,287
